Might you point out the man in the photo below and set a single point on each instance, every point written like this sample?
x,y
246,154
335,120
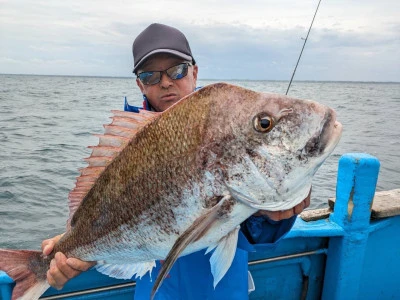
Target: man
x,y
166,71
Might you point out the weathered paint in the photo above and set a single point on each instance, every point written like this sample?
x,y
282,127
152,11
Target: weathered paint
x,y
356,182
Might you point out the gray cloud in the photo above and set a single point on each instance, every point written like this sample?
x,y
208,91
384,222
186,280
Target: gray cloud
x,y
245,53
94,38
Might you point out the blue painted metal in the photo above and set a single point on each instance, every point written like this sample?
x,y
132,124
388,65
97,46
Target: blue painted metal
x,y
6,286
344,257
357,177
380,278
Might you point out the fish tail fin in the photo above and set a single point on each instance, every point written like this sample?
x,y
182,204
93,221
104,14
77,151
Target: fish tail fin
x,y
28,269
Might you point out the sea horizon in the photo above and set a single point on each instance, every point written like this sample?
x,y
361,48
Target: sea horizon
x,y
207,79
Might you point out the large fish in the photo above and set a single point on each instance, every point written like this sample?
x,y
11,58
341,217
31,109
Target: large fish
x,y
163,185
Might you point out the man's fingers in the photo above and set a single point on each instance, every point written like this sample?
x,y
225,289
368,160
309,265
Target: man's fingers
x,y
299,207
55,277
286,214
307,200
278,215
80,265
60,272
48,245
64,267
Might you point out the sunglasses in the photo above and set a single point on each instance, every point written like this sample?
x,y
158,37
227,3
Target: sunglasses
x,y
154,77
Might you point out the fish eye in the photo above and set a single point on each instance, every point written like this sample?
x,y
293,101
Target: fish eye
x,y
263,123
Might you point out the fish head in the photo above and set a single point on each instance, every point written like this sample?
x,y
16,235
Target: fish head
x,y
270,146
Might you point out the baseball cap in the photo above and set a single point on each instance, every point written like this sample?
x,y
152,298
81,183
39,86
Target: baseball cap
x,y
159,38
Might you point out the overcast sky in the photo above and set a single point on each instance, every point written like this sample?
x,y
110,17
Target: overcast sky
x,y
357,40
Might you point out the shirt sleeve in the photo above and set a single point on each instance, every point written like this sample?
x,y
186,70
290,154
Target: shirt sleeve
x,y
262,230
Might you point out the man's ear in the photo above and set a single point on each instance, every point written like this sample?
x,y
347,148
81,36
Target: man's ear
x,y
195,71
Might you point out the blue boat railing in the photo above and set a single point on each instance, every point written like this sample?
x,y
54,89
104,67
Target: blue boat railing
x,y
343,255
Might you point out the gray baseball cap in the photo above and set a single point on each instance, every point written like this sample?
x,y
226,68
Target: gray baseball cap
x,y
159,38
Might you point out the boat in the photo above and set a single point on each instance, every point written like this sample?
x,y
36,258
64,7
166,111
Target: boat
x,y
350,250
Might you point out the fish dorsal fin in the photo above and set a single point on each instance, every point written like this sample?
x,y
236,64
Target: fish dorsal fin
x,y
117,135
192,234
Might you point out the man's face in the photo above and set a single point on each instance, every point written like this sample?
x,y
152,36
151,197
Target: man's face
x,y
168,91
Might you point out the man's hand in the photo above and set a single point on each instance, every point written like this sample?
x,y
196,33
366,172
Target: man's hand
x,y
286,214
62,268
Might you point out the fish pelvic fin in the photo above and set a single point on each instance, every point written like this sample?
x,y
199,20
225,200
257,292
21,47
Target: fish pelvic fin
x,y
222,257
117,135
199,228
126,271
28,269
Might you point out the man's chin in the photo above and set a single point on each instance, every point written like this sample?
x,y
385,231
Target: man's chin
x,y
167,103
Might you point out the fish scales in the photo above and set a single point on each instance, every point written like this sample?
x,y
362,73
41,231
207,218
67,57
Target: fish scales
x,y
159,161
187,178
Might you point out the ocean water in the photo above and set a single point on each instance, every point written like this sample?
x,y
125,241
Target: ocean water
x,y
47,122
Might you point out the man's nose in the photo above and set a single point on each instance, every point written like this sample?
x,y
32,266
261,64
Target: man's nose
x,y
165,80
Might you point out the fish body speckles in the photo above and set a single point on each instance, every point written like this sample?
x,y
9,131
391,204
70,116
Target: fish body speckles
x,y
161,185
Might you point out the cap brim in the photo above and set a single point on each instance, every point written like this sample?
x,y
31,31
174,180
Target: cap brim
x,y
170,51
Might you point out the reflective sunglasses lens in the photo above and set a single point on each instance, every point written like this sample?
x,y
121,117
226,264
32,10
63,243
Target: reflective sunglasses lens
x,y
175,72
149,78
178,72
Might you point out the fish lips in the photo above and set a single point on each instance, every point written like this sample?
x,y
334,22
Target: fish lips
x,y
326,139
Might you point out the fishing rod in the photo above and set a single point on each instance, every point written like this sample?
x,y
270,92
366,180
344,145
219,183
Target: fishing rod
x,y
305,41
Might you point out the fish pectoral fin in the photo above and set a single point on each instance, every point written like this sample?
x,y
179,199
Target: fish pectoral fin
x,y
223,255
198,229
126,271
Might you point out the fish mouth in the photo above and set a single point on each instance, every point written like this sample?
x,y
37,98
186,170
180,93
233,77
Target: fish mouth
x,y
324,141
318,147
